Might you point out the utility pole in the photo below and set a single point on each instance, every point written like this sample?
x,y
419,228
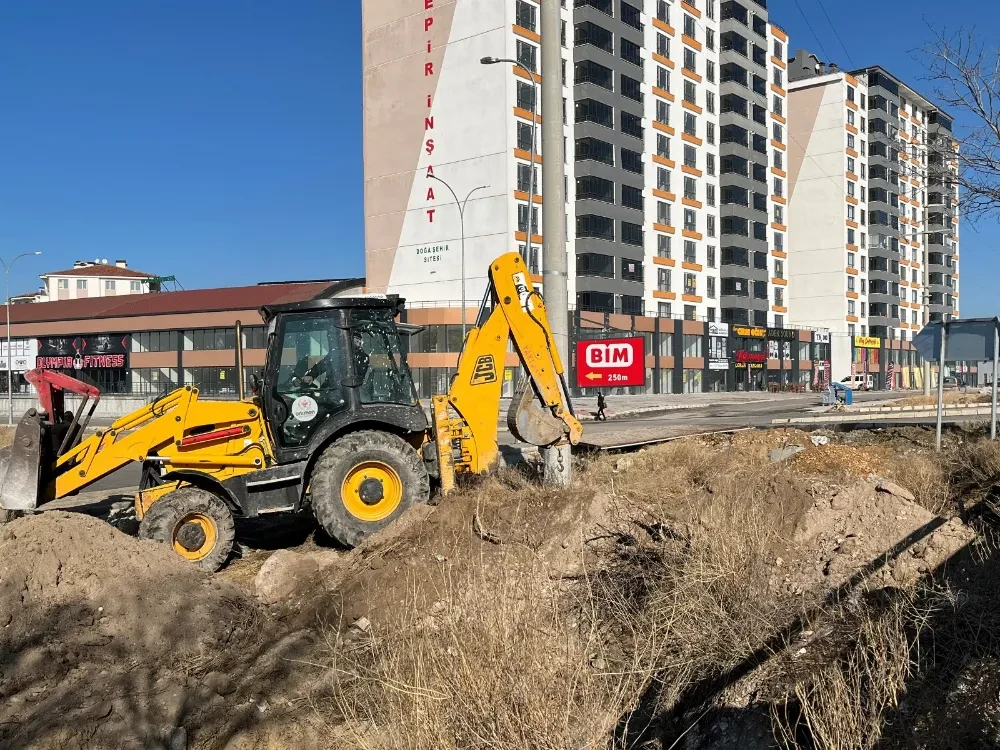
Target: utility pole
x,y
557,459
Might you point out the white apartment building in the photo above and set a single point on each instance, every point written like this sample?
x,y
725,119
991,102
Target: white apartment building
x,y
674,121
97,278
877,235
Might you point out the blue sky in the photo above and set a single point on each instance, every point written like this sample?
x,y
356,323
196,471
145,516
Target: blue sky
x,y
217,140
220,140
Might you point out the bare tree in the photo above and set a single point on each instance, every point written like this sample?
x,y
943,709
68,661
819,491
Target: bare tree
x,y
965,74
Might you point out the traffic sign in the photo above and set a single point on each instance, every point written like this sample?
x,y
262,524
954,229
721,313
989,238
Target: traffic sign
x,y
610,362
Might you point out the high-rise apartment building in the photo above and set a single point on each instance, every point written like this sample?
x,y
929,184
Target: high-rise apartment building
x,y
876,230
675,130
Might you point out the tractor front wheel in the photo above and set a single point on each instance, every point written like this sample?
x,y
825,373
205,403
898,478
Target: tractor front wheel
x,y
196,524
364,481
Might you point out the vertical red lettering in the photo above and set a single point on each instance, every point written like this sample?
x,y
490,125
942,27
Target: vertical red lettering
x,y
430,194
428,4
429,146
430,215
597,355
429,123
428,45
429,69
428,22
428,101
430,170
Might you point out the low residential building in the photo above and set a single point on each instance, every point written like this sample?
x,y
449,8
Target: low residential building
x,y
97,278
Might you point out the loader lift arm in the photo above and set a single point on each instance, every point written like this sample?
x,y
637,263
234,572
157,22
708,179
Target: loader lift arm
x,y
540,414
173,431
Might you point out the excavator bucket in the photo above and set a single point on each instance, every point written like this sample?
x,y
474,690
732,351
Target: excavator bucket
x,y
529,420
22,469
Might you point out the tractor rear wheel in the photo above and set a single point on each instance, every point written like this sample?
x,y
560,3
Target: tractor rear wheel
x,y
196,524
364,481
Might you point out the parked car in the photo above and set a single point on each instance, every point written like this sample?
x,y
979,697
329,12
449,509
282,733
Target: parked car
x,y
859,382
950,382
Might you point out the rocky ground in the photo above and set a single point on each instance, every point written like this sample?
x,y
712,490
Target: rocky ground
x,y
743,591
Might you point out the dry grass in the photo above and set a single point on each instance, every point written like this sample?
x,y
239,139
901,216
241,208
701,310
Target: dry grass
x,y
845,698
951,398
494,665
682,594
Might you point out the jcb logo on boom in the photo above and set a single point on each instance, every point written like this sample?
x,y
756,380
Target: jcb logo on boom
x,y
485,371
609,355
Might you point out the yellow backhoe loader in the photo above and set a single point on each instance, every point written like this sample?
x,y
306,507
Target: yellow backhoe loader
x,y
334,426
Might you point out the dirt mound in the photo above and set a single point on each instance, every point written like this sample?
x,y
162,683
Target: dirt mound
x,y
859,529
109,641
844,459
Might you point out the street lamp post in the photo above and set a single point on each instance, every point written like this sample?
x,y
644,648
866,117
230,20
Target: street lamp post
x,y
534,122
10,380
461,222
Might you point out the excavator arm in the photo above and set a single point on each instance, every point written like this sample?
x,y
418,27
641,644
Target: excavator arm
x,y
465,420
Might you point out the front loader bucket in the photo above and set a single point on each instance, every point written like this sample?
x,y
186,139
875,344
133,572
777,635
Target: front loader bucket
x,y
19,485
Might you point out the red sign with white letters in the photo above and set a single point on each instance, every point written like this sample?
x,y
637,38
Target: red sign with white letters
x,y
610,362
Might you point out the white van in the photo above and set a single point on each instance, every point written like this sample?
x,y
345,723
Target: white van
x,y
859,381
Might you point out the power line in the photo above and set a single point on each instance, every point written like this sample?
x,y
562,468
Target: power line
x,y
842,46
812,31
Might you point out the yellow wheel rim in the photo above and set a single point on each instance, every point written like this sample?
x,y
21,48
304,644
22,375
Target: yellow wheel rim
x,y
371,491
194,536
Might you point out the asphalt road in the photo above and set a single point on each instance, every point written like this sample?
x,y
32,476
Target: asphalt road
x,y
757,414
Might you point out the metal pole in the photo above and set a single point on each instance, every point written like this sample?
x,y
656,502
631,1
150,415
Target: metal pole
x,y
925,236
996,361
558,459
940,386
241,389
461,223
10,384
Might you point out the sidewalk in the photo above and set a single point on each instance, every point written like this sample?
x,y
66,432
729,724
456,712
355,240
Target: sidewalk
x,y
620,407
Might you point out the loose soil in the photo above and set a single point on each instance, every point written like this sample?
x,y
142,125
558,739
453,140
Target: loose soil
x,y
670,591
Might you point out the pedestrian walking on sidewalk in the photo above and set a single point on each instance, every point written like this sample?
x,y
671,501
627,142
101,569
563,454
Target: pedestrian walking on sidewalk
x,y
601,405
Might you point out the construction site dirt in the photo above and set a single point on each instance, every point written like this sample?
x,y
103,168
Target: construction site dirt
x,y
756,589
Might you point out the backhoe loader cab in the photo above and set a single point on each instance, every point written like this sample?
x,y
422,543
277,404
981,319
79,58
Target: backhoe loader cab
x,y
333,364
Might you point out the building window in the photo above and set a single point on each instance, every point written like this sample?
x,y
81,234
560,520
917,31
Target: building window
x,y
109,285
527,55
663,280
710,287
850,283
690,92
690,220
690,156
690,252
710,225
525,15
525,96
133,286
850,307
156,341
779,269
710,132
710,256
689,28
710,194
710,163
523,136
663,213
710,71
62,283
850,164
663,245
850,260
690,59
691,287
210,339
82,284
690,124
710,38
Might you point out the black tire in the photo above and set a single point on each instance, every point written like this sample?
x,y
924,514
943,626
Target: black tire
x,y
182,517
346,459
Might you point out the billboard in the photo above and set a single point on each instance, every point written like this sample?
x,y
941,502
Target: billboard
x,y
610,362
101,351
